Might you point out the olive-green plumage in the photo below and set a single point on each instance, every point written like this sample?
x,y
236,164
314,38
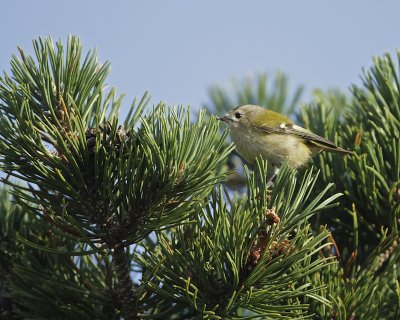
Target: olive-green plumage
x,y
258,131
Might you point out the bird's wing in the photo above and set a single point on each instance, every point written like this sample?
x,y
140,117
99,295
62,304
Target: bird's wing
x,y
307,136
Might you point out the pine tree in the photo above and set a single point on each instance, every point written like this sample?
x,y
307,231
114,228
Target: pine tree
x,y
109,218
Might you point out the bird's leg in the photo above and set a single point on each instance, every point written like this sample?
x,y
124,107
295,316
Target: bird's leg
x,y
270,182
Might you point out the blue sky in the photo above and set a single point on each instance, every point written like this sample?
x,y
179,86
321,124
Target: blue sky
x,y
178,49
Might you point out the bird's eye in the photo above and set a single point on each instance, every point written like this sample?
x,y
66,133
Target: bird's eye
x,y
238,115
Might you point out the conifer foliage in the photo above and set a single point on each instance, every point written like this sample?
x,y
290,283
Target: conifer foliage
x,y
110,218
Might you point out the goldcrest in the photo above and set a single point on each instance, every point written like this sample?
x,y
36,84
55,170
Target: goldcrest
x,y
257,131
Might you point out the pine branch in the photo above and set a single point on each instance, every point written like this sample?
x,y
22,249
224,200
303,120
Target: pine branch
x,y
92,180
245,253
365,226
366,123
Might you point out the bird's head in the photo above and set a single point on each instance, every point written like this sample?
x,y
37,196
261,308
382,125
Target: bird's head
x,y
245,116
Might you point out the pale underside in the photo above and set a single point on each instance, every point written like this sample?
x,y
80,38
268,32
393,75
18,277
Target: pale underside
x,y
275,147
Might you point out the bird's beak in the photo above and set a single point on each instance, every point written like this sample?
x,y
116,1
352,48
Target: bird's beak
x,y
223,118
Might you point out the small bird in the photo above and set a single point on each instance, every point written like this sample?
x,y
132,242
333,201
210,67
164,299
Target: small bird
x,y
257,131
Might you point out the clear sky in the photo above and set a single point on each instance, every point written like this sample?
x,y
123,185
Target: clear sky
x,y
178,49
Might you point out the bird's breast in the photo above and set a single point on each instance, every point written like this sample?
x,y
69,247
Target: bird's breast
x,y
273,147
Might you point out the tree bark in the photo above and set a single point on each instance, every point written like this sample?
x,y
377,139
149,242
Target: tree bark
x,y
125,290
